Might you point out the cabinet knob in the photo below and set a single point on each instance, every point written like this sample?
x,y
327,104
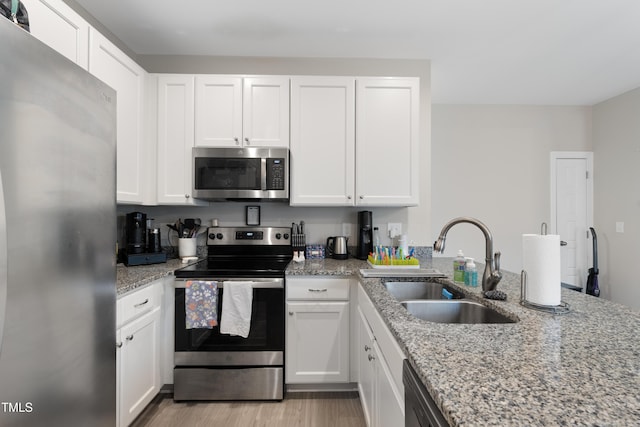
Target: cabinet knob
x,y
119,344
291,313
246,140
186,196
237,141
371,357
130,338
348,197
361,197
366,348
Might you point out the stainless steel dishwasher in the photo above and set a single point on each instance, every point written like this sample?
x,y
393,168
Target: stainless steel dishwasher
x,y
419,408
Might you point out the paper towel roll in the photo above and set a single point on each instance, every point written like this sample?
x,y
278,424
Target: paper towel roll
x,y
541,261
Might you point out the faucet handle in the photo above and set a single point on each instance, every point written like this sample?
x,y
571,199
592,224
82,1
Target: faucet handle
x,y
496,258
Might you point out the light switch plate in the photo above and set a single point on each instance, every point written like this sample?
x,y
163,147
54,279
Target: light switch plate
x,y
619,227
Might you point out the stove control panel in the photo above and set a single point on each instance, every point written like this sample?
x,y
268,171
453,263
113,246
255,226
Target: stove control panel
x,y
265,236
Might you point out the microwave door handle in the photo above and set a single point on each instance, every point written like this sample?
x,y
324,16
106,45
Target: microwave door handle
x,y
263,174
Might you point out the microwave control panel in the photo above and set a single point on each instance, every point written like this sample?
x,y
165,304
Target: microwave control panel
x,y
275,173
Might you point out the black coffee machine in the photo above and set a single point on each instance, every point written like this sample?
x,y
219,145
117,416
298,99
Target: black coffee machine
x,y
139,249
365,235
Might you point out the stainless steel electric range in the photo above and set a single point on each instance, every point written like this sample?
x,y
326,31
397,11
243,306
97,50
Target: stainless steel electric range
x,y
210,365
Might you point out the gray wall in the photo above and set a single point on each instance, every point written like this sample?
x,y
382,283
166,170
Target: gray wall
x,y
492,162
616,141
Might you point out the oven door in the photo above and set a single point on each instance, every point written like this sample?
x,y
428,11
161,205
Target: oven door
x,y
208,347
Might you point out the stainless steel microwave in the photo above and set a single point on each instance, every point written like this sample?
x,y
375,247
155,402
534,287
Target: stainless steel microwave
x,y
241,173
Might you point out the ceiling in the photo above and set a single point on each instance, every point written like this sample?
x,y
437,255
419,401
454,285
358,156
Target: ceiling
x,y
541,52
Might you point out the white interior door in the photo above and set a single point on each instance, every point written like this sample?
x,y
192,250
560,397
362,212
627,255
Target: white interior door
x,y
572,212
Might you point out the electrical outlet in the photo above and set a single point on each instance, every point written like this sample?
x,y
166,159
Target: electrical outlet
x,y
395,229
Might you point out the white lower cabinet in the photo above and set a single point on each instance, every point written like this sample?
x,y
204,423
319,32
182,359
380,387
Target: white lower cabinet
x,y
379,360
317,331
138,358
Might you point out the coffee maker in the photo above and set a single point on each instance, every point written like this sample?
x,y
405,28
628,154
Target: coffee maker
x,y
365,235
139,250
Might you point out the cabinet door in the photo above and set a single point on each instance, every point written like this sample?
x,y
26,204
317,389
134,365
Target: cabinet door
x,y
317,344
119,345
265,117
322,141
366,371
139,365
387,141
389,404
218,111
175,139
112,66
61,28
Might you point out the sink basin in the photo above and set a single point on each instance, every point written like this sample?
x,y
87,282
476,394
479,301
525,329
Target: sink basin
x,y
403,291
454,311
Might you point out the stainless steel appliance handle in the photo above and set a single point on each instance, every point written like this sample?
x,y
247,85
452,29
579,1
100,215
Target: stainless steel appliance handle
x,y
275,283
4,270
263,174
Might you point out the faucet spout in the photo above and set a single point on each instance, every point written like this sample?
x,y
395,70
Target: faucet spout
x,y
492,274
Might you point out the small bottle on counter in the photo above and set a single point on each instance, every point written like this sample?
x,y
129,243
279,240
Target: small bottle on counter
x,y
376,237
470,273
458,267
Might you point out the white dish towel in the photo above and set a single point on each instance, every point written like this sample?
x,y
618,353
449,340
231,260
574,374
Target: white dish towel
x,y
237,299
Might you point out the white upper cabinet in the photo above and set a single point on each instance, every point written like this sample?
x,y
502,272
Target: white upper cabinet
x,y
387,141
61,28
354,150
175,123
322,141
265,120
232,111
112,66
218,111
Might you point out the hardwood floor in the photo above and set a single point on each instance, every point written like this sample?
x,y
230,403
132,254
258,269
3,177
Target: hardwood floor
x,y
297,409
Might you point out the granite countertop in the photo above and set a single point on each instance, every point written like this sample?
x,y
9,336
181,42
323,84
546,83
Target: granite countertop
x,y
130,278
579,368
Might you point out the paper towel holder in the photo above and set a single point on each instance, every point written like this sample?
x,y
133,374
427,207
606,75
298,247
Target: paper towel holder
x,y
563,308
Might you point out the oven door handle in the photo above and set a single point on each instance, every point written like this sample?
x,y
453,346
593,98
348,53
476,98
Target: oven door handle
x,y
275,283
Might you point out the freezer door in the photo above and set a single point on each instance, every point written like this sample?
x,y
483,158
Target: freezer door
x,y
57,160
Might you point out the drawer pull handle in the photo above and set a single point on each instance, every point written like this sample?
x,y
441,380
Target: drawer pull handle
x,y
371,357
366,348
141,303
119,344
130,338
318,290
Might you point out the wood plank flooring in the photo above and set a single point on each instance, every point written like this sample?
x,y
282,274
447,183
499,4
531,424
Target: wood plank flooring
x,y
327,409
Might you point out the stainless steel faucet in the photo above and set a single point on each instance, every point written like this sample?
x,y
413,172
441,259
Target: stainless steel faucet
x,y
491,275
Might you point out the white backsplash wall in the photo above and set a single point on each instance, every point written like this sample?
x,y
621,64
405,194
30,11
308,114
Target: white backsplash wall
x,y
320,222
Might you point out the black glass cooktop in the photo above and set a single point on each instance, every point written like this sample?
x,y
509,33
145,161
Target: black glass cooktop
x,y
236,267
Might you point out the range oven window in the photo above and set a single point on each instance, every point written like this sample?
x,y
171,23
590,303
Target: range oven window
x,y
266,332
218,173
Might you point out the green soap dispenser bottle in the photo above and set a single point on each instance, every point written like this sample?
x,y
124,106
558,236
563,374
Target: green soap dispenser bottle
x,y
458,267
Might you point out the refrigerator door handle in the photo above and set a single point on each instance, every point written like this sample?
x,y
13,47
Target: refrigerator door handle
x,y
3,261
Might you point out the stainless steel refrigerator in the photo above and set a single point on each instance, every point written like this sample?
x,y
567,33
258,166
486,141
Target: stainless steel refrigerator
x,y
57,239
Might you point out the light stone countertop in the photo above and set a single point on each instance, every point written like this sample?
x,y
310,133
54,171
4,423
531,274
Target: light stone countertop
x,y
134,277
579,368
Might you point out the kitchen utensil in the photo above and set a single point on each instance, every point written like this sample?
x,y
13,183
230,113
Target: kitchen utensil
x,y
337,247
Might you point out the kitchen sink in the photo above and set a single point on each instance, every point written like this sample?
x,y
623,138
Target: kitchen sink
x,y
454,311
420,290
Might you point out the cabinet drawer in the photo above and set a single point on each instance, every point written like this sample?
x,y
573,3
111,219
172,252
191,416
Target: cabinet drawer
x,y
317,288
137,303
